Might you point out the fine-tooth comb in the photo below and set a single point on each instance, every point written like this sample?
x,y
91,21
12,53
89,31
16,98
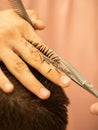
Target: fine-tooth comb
x,y
53,58
20,10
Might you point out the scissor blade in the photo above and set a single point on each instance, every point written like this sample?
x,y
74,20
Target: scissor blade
x,y
67,68
74,74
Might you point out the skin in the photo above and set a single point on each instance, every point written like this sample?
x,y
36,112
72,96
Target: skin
x,y
94,108
15,48
12,53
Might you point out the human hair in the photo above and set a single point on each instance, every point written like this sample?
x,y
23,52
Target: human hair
x,y
22,110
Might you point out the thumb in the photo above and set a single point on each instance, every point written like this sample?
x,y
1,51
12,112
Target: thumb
x,y
94,108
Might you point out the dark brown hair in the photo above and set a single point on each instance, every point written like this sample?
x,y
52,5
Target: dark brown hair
x,y
22,110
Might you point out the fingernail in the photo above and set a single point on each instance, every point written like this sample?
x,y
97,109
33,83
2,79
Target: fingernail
x,y
94,108
8,87
44,92
65,79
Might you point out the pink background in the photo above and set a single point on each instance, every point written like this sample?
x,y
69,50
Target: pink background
x,y
72,30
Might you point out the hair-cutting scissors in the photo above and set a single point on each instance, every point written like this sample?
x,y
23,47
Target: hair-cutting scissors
x,y
63,65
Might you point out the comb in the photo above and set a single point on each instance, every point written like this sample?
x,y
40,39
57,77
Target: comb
x,y
62,65
18,7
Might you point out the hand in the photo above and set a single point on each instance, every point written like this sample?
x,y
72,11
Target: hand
x,y
94,108
15,48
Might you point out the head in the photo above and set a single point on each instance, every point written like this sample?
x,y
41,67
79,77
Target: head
x,y
22,110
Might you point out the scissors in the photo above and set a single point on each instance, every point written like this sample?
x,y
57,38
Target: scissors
x,y
63,65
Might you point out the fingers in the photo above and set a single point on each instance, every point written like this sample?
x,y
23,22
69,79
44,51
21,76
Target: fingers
x,y
37,23
34,58
94,108
17,41
18,68
5,84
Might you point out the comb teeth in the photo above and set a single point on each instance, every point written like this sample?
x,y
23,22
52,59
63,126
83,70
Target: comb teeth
x,y
18,7
51,56
47,52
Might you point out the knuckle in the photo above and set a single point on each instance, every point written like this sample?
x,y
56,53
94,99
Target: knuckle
x,y
37,57
21,67
46,67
